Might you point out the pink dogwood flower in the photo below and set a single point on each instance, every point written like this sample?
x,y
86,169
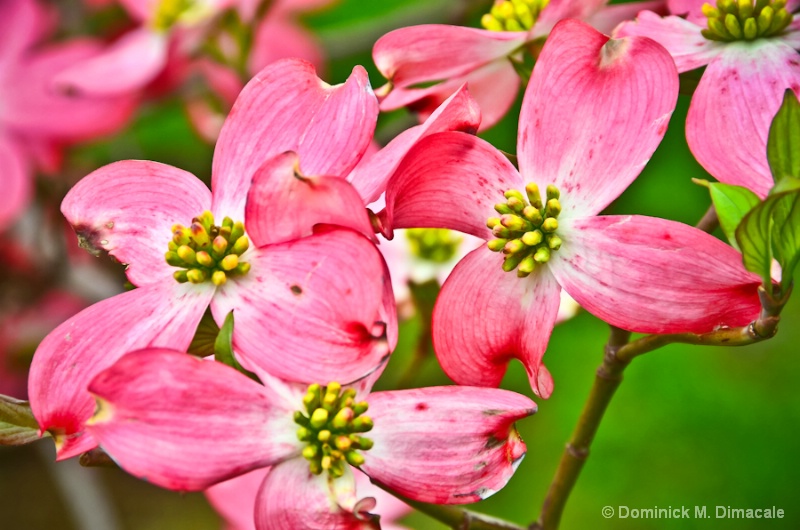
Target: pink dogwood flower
x,y
593,113
749,51
308,303
35,122
186,424
235,500
169,35
445,57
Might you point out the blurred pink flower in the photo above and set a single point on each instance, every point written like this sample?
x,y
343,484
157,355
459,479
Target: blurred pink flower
x,y
186,424
593,113
162,49
36,122
308,303
446,57
741,89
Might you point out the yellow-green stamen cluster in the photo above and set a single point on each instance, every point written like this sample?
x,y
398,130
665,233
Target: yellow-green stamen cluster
x,y
513,15
204,251
169,12
433,244
734,20
526,229
331,426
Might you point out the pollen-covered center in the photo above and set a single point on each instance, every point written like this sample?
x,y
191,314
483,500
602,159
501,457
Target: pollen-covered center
x,y
513,15
438,245
526,229
331,425
733,20
207,252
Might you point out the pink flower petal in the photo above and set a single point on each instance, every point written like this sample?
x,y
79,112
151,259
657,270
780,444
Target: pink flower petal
x,y
22,24
681,38
558,10
31,105
235,499
734,104
459,112
653,275
283,205
17,181
434,52
445,169
508,317
310,310
446,445
292,498
494,86
184,423
77,350
128,209
791,35
286,107
609,17
279,37
129,64
624,92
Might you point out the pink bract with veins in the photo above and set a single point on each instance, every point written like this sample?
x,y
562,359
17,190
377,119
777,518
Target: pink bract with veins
x,y
186,424
593,113
35,122
738,95
451,56
316,302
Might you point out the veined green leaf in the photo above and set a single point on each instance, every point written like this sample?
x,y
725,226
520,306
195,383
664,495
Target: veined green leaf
x,y
783,153
732,204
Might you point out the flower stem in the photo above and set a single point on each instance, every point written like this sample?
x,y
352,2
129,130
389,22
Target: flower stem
x,y
453,516
607,379
619,353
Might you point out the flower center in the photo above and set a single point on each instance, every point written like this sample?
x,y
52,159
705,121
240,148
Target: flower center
x,y
734,20
438,245
526,230
205,251
331,425
170,12
513,15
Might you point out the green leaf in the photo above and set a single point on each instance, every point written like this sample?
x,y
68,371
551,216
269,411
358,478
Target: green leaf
x,y
732,204
786,234
203,342
17,424
223,347
754,235
784,138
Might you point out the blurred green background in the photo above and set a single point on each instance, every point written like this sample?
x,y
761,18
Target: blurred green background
x,y
689,426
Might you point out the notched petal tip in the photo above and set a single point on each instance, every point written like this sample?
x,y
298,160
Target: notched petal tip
x,y
613,50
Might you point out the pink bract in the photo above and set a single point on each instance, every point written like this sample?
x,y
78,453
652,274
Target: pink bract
x,y
35,123
445,445
316,303
738,95
235,500
593,113
450,56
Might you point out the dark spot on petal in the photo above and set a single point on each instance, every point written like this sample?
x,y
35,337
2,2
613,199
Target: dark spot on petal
x,y
296,289
421,406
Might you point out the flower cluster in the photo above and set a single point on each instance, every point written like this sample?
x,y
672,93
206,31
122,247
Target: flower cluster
x,y
262,308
